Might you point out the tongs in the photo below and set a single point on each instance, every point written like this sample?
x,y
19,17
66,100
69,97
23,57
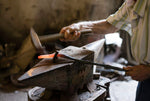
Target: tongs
x,y
56,55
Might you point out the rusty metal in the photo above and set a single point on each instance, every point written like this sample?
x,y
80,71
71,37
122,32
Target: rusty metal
x,y
87,62
64,75
36,42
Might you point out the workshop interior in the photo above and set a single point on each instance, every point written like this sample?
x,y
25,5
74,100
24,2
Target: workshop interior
x,y
35,65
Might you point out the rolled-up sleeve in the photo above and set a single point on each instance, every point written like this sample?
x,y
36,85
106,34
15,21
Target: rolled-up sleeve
x,y
121,18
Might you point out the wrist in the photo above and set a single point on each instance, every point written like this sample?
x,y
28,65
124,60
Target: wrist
x,y
85,25
77,26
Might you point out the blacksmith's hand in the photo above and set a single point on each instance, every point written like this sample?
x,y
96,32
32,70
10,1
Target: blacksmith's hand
x,y
139,72
70,33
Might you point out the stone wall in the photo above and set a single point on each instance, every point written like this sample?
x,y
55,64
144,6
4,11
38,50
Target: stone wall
x,y
103,8
17,16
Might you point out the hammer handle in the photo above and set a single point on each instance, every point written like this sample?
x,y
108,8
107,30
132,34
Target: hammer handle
x,y
57,36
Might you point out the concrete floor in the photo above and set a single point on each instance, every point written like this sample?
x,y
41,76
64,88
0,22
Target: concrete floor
x,y
13,96
11,93
123,90
119,91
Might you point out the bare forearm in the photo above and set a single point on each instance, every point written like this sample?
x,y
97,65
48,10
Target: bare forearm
x,y
73,32
98,27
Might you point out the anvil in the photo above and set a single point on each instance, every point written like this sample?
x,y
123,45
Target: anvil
x,y
64,75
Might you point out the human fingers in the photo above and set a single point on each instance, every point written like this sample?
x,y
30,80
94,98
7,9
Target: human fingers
x,y
63,31
128,71
70,32
128,68
71,35
77,35
67,33
74,36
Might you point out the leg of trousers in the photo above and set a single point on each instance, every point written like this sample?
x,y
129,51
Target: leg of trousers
x,y
143,91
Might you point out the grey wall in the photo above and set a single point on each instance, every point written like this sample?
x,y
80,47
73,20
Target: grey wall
x,y
17,16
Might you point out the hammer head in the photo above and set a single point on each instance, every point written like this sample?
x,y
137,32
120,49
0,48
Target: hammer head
x,y
36,41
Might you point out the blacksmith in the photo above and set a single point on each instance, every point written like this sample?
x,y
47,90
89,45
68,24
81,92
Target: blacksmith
x,y
134,17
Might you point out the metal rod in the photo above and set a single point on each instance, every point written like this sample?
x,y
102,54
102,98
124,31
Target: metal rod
x,y
104,65
98,64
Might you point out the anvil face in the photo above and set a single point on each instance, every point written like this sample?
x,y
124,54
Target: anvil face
x,y
64,74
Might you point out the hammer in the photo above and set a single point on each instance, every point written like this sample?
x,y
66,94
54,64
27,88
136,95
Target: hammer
x,y
56,36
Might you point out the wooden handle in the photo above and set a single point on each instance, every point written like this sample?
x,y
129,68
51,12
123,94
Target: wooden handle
x,y
53,37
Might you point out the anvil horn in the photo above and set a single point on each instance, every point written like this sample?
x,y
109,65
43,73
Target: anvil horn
x,y
95,46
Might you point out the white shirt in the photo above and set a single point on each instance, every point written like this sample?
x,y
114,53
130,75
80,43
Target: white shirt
x,y
134,17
